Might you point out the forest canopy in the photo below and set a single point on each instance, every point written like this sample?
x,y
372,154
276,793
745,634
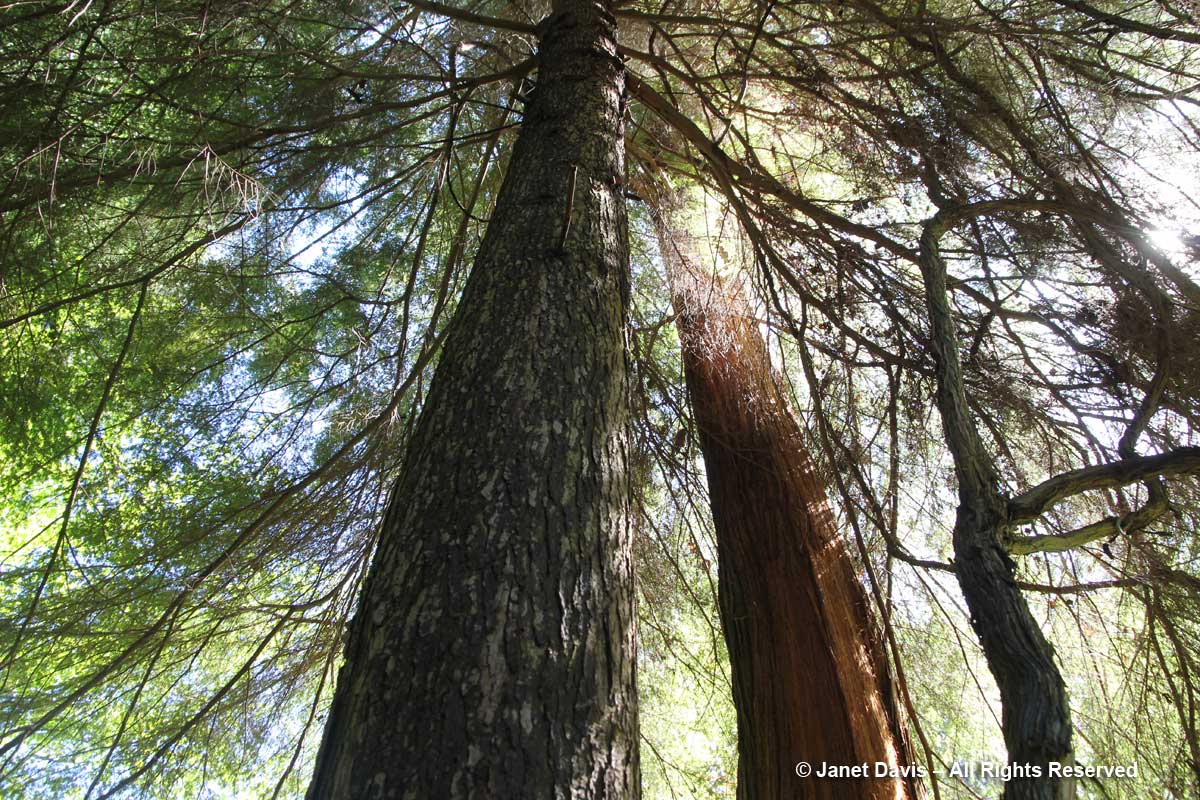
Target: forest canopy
x,y
234,236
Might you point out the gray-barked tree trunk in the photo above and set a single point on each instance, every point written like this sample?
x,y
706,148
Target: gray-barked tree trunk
x,y
492,655
1036,711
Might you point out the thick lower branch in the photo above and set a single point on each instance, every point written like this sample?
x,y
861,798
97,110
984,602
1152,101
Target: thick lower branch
x,y
1104,529
1032,504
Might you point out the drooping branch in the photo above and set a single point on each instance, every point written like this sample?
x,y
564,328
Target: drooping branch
x,y
731,173
462,15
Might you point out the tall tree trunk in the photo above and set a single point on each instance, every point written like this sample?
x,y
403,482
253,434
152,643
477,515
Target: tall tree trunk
x,y
493,651
1036,712
809,673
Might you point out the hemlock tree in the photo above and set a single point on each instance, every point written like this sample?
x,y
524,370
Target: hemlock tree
x,y
233,236
492,654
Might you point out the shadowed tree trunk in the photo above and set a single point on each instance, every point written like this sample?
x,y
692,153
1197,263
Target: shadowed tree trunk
x,y
809,673
1036,717
492,655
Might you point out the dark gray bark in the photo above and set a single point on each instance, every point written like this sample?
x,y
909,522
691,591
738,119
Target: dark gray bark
x,y
1036,714
493,651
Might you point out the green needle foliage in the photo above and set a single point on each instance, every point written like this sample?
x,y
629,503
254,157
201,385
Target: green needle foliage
x,y
224,281
232,237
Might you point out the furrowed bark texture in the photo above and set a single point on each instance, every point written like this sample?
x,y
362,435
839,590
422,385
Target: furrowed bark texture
x,y
809,673
1036,714
493,652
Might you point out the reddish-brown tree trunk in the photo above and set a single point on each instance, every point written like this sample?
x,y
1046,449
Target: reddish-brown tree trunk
x,y
809,673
